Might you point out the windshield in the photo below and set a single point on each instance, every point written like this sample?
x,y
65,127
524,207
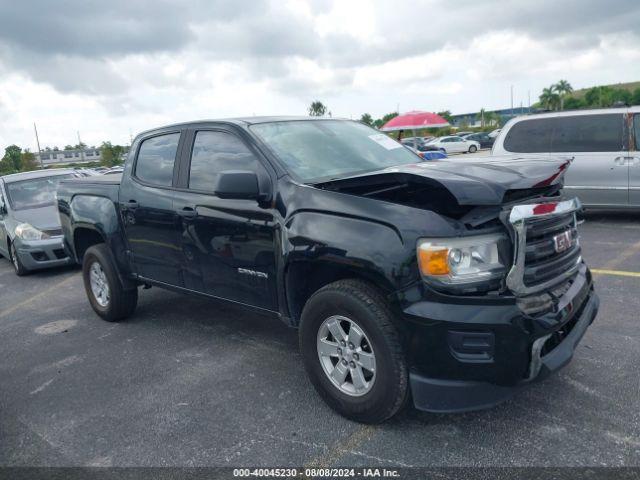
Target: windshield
x,y
34,193
323,149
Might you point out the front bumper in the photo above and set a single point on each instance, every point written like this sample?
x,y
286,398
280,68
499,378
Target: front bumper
x,y
524,349
40,254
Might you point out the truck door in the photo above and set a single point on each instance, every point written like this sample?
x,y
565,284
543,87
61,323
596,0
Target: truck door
x,y
228,245
634,163
146,206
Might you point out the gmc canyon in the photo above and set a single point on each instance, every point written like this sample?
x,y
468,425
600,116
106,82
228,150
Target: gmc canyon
x,y
451,284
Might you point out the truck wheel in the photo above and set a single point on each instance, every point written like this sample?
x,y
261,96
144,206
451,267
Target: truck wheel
x,y
20,269
353,352
104,290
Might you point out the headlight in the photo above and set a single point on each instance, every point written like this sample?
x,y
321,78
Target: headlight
x,y
25,231
465,264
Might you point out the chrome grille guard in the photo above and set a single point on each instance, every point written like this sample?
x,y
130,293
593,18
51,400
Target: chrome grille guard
x,y
518,220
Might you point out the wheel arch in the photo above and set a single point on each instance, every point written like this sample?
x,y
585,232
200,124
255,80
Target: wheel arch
x,y
303,279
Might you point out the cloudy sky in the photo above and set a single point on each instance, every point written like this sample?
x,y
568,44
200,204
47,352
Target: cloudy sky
x,y
112,68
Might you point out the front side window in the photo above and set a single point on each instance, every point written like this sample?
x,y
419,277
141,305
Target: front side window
x,y
215,152
156,158
320,149
34,193
636,130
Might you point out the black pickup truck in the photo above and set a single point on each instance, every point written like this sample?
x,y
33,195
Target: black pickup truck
x,y
451,284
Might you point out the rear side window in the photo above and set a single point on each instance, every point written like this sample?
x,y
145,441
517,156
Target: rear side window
x,y
588,133
580,133
215,152
156,158
636,130
529,136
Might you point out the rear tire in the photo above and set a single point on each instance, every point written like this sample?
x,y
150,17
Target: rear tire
x,y
18,267
104,290
473,149
357,306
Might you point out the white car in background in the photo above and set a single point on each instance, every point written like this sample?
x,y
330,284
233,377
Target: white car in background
x,y
454,144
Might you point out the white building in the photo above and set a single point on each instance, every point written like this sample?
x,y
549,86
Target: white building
x,y
62,157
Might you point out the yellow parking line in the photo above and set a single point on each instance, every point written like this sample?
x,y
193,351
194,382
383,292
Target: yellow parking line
x,y
622,257
615,272
37,296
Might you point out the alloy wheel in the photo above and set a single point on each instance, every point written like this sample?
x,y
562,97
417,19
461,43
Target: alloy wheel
x,y
346,355
99,284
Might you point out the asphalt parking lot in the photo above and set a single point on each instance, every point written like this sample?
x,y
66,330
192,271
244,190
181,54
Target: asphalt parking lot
x,y
190,382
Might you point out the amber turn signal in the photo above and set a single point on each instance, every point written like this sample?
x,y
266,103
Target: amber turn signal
x,y
433,262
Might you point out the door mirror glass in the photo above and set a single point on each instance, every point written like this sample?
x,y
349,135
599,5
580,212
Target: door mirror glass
x,y
237,184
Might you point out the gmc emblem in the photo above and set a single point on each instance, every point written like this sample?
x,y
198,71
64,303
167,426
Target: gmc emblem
x,y
563,241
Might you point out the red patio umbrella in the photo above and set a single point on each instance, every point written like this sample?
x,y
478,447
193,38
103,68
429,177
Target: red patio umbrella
x,y
414,121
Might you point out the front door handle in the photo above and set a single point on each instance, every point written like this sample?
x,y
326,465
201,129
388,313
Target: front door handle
x,y
187,212
132,204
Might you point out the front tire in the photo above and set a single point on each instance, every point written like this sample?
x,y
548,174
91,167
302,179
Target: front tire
x,y
18,267
352,351
473,149
106,294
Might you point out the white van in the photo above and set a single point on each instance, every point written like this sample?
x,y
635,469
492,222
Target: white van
x,y
605,144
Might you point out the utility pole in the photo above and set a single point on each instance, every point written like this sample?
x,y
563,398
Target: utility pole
x,y
529,96
35,129
81,147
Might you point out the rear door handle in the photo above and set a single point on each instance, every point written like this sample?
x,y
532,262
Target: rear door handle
x,y
132,204
187,212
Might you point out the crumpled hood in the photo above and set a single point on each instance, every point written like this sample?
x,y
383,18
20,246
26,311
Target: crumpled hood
x,y
480,182
43,218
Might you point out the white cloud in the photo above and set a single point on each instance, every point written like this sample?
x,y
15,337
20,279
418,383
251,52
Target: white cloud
x,y
114,75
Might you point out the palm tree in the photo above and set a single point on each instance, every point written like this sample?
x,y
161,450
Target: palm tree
x,y
549,98
482,114
366,119
562,88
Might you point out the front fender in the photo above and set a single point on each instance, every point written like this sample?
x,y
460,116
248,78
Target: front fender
x,y
320,247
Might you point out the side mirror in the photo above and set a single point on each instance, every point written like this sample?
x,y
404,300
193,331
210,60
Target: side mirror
x,y
3,208
238,184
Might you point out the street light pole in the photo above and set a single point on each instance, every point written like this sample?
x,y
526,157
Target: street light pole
x,y
35,129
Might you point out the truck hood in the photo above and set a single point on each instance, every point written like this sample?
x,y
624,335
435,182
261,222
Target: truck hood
x,y
483,182
43,218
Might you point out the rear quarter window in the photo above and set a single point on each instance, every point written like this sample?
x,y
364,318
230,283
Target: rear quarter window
x,y
588,133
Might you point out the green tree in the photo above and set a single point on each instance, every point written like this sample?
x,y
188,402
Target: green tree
x,y
317,109
621,95
366,119
111,155
492,119
573,103
13,155
385,118
446,114
549,98
562,88
29,161
635,97
599,96
68,147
